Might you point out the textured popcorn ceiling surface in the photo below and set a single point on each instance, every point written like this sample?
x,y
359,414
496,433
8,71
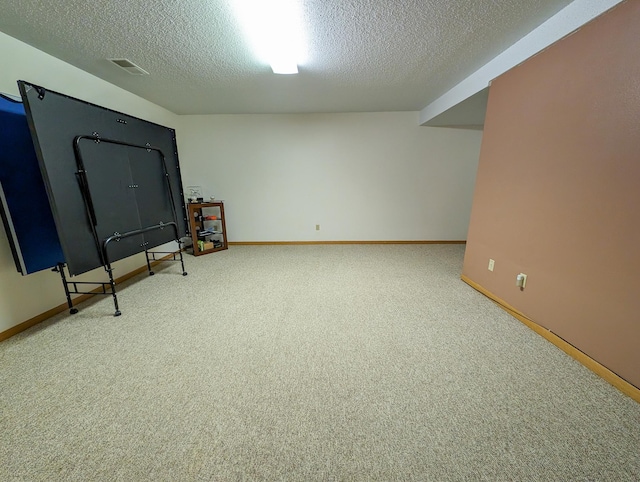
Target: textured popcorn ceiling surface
x,y
364,55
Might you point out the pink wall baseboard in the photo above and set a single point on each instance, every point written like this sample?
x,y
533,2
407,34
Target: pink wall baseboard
x,y
614,379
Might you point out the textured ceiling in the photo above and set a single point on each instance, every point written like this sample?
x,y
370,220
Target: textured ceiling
x,y
364,55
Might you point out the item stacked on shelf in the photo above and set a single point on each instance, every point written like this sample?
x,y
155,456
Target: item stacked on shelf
x,y
208,231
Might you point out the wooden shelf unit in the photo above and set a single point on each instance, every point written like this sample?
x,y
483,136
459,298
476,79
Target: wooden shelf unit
x,y
198,223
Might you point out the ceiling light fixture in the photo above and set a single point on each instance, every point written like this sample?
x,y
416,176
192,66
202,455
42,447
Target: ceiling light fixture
x,y
274,29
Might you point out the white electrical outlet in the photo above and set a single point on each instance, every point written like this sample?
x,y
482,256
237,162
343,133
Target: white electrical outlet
x,y
521,280
491,264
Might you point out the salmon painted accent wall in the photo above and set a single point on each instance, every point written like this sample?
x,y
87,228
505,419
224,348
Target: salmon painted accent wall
x,y
557,192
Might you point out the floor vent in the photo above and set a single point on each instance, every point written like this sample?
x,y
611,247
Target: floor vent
x,y
129,66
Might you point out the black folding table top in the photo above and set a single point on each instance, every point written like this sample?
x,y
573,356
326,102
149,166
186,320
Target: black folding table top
x,y
129,187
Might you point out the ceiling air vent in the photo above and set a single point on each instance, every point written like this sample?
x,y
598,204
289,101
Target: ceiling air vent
x,y
129,66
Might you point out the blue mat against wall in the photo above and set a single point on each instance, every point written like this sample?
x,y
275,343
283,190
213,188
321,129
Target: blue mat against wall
x,y
24,204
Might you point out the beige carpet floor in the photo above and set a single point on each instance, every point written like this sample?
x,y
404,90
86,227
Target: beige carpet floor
x,y
343,362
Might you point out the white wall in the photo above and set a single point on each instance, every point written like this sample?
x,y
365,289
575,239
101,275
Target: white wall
x,y
23,297
361,176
